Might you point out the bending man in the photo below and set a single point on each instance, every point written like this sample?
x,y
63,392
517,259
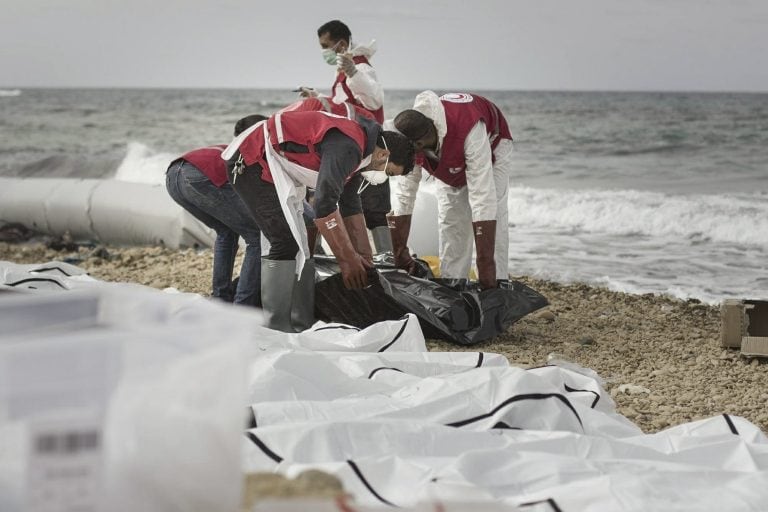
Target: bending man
x,y
197,181
273,162
462,140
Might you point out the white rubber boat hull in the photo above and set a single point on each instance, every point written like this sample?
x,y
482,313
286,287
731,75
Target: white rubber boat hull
x,y
106,211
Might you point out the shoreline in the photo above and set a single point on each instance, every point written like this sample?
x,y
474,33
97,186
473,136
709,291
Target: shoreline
x,y
666,351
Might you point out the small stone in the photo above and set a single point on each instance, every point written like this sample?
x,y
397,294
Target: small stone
x,y
632,389
100,253
260,485
586,340
754,362
686,397
546,315
318,483
629,412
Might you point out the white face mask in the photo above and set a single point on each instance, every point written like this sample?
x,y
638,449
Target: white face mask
x,y
375,177
372,177
329,54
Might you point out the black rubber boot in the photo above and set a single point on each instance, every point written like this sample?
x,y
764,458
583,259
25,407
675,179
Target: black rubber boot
x,y
303,306
277,293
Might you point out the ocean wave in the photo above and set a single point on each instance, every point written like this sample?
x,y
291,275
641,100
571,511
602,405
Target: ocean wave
x,y
63,166
142,164
659,149
740,219
8,93
271,105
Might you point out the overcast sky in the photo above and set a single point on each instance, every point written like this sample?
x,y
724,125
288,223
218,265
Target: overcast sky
x,y
701,45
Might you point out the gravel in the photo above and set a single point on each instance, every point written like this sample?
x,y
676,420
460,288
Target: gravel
x,y
660,357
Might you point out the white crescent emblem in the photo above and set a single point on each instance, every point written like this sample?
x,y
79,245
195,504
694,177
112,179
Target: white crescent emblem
x,y
457,97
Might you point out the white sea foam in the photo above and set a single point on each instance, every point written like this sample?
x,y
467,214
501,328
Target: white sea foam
x,y
10,92
709,247
740,219
142,165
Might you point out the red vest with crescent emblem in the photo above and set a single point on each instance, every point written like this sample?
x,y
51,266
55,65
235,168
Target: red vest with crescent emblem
x,y
304,128
462,113
341,78
208,161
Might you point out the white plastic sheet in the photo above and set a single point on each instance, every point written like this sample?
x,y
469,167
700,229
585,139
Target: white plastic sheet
x,y
401,426
120,398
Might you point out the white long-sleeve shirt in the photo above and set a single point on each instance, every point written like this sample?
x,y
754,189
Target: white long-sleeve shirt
x,y
364,84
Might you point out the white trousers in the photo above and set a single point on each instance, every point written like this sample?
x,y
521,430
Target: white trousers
x,y
454,214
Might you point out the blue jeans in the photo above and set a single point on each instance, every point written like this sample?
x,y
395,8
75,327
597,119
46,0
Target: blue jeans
x,y
221,209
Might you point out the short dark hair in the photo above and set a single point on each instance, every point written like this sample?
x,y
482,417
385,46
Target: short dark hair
x,y
401,150
336,30
413,124
243,124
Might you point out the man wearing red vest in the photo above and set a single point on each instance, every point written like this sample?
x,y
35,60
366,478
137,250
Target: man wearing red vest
x,y
326,104
197,181
270,166
356,83
344,109
356,80
463,140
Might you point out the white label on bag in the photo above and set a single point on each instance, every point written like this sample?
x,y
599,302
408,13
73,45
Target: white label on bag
x,y
65,466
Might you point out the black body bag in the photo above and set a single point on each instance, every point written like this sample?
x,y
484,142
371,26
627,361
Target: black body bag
x,y
449,309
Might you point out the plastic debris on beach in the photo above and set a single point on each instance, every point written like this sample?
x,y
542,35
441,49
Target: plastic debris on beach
x,y
14,232
449,309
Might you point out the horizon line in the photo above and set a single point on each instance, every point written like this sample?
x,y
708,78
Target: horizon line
x,y
404,89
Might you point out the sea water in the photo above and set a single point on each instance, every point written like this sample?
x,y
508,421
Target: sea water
x,y
638,192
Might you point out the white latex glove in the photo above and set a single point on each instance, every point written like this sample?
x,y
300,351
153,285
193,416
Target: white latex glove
x,y
346,64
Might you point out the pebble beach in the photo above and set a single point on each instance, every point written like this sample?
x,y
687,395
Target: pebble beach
x,y
661,358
